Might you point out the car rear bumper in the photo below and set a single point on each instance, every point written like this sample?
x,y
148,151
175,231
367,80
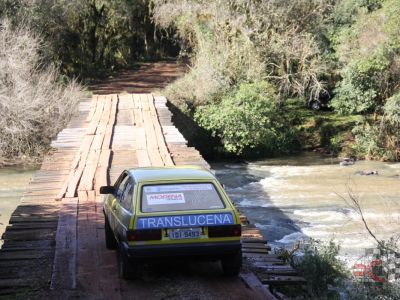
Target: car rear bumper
x,y
184,250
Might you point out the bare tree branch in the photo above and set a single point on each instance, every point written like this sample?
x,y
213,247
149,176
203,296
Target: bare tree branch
x,y
354,202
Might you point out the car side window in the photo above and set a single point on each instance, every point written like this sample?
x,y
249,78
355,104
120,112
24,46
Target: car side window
x,y
121,187
127,197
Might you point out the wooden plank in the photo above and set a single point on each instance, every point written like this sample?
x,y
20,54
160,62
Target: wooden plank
x,y
19,219
105,116
64,266
162,147
84,152
254,250
282,280
151,140
91,196
141,141
137,111
285,272
34,245
155,158
144,102
97,115
143,158
65,185
254,241
28,235
101,176
92,108
254,283
255,246
87,180
28,226
82,196
137,101
23,255
111,123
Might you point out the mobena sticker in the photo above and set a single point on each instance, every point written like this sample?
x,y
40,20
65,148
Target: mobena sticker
x,y
165,198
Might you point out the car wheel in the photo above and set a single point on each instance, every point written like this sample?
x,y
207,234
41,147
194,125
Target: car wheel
x,y
127,268
231,264
111,243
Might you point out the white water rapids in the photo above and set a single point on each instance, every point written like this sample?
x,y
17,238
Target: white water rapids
x,y
293,199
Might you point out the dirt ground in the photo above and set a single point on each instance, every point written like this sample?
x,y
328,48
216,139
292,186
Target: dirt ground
x,y
146,78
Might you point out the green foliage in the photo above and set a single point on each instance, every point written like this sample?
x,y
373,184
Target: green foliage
x,y
370,51
93,37
381,140
240,41
321,267
243,119
335,144
367,141
362,85
345,12
392,111
247,118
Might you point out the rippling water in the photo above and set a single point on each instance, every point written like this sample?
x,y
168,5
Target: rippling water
x,y
292,199
13,182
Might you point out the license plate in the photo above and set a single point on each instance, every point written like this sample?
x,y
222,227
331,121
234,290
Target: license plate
x,y
184,233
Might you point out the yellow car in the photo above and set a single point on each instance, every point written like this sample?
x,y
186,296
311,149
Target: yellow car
x,y
171,212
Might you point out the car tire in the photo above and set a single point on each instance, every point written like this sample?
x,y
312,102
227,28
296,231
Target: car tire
x,y
126,267
231,264
111,243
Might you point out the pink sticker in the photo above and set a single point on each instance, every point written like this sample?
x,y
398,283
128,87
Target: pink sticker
x,y
165,198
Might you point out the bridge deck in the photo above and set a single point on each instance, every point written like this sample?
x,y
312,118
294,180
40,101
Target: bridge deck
x,y
56,236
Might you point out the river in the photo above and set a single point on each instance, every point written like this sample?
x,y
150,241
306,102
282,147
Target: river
x,y
294,198
289,199
13,181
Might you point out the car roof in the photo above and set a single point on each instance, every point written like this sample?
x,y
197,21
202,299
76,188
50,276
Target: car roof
x,y
151,174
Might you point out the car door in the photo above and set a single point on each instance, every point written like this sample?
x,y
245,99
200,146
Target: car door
x,y
125,206
115,202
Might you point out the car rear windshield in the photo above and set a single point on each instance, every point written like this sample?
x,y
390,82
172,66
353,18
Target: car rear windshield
x,y
177,197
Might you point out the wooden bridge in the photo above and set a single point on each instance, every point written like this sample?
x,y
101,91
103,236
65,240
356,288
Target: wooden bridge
x,y
54,245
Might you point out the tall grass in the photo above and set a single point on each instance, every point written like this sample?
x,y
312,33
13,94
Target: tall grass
x,y
34,104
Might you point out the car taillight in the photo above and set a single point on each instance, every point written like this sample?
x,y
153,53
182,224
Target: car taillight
x,y
225,231
143,235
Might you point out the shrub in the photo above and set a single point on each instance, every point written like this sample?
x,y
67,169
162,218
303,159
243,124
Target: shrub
x,y
369,52
392,111
247,118
381,139
34,105
367,141
321,267
361,89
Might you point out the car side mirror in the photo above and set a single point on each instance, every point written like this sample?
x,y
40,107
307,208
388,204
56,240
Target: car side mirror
x,y
107,189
